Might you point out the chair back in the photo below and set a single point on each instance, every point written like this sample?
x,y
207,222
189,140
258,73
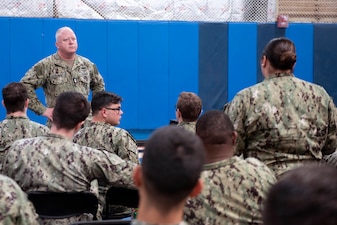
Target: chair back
x,y
57,205
122,196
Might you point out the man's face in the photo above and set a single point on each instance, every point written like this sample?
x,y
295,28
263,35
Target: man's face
x,y
67,42
114,114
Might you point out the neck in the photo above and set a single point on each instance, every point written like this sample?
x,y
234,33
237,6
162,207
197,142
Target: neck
x,y
150,213
218,152
17,114
63,132
64,56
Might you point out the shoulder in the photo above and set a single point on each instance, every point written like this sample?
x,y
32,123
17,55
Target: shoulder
x,y
84,60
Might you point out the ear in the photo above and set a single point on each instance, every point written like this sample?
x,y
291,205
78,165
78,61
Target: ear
x,y
264,61
137,176
197,189
234,137
3,103
26,103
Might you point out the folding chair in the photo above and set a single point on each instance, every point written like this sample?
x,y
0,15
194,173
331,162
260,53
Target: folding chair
x,y
103,222
57,205
121,196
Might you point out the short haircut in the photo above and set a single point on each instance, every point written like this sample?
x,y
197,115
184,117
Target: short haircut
x,y
172,162
14,96
303,196
103,99
189,105
70,109
215,127
281,53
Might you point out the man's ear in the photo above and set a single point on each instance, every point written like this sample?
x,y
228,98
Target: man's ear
x,y
197,189
137,176
234,137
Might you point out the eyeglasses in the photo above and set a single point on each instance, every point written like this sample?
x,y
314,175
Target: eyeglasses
x,y
115,109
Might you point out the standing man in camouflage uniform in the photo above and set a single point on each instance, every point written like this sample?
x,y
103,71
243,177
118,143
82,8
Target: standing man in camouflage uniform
x,y
169,174
54,163
283,121
188,109
60,72
101,133
15,208
234,188
16,125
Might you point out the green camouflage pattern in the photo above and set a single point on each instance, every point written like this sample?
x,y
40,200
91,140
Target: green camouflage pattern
x,y
55,163
15,208
233,192
104,136
55,77
17,127
284,121
190,126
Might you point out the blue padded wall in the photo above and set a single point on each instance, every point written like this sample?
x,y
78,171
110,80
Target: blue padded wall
x,y
241,57
182,62
122,63
213,64
325,60
304,49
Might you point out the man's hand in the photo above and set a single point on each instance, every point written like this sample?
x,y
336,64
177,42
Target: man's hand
x,y
49,113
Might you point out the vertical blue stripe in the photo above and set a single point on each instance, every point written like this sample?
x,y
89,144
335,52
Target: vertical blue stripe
x,y
242,57
213,64
304,49
183,61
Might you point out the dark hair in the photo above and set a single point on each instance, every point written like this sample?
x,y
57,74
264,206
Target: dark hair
x,y
304,196
281,53
14,95
189,105
172,163
214,127
103,99
70,109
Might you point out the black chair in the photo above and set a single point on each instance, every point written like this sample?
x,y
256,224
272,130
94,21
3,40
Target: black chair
x,y
57,205
103,222
122,197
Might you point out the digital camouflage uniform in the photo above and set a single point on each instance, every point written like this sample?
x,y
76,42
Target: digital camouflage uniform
x,y
17,127
104,136
55,163
15,208
284,121
190,126
55,77
137,222
233,192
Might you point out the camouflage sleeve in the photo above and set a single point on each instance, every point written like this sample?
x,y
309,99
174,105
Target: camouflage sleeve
x,y
96,80
33,79
126,146
236,110
110,169
331,142
15,207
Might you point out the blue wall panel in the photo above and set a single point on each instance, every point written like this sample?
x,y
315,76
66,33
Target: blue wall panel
x,y
122,76
93,42
5,63
325,60
153,70
183,62
304,49
213,64
26,49
242,57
